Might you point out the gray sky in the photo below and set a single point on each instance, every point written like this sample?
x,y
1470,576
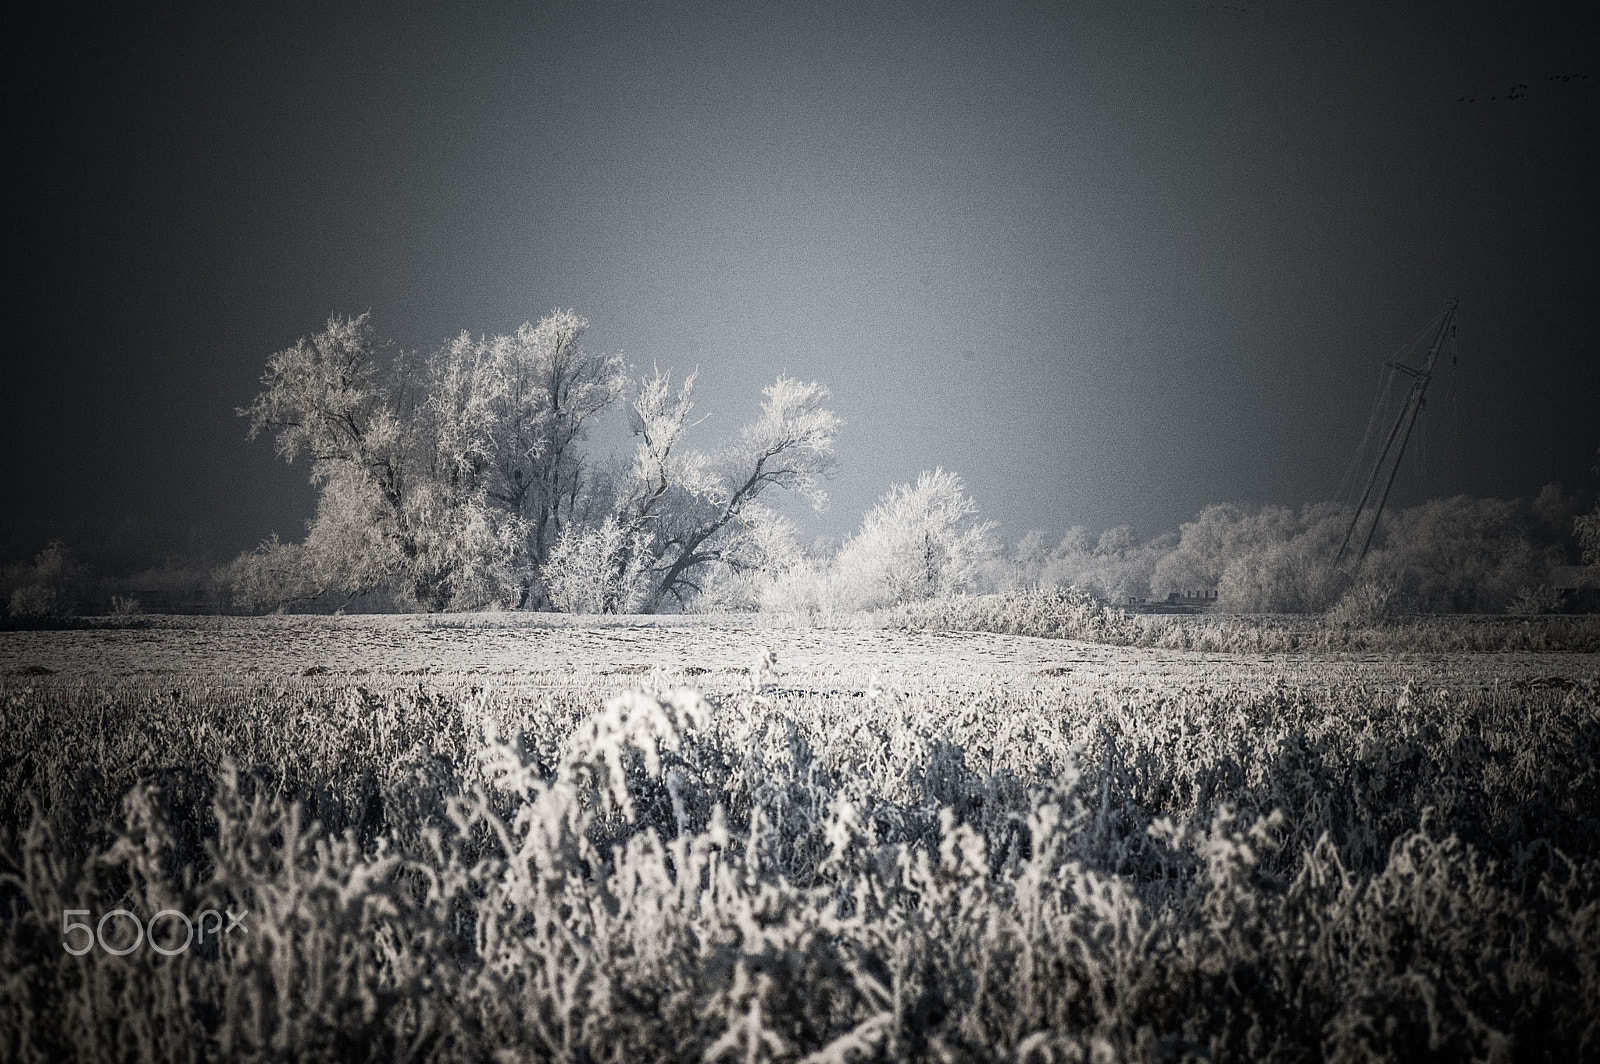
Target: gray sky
x,y
1109,261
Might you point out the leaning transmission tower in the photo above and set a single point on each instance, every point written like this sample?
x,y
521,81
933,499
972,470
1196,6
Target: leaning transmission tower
x,y
1364,522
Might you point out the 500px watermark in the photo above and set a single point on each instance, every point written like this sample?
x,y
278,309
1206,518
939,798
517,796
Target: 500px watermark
x,y
98,932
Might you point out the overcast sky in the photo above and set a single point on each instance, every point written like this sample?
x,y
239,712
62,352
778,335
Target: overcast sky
x,y
1110,261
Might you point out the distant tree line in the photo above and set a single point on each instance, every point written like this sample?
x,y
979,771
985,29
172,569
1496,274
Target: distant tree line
x,y
463,480
1453,555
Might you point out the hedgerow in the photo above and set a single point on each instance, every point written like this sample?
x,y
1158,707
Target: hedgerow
x,y
1069,613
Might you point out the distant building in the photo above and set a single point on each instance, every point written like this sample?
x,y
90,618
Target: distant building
x,y
1578,586
1173,601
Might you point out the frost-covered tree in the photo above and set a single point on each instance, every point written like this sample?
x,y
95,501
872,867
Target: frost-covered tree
x,y
453,476
335,400
1462,555
1115,568
463,478
698,515
52,586
1587,528
509,414
1284,562
921,541
1217,537
598,570
1446,555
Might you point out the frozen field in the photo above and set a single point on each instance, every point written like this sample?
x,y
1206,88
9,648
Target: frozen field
x,y
713,654
473,838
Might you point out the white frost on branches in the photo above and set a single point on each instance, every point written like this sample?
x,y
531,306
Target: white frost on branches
x,y
921,541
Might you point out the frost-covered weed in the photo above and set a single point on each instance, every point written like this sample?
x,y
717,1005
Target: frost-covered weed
x,y
1031,875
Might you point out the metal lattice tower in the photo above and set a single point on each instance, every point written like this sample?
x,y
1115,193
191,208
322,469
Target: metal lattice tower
x,y
1368,508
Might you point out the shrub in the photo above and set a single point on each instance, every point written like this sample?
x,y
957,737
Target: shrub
x,y
1116,568
1367,603
36,602
599,570
1050,613
124,606
805,590
48,590
1533,601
